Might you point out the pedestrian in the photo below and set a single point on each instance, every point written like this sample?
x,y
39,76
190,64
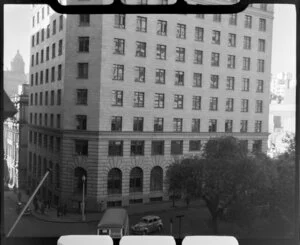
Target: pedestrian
x,y
42,208
65,209
19,196
35,204
57,211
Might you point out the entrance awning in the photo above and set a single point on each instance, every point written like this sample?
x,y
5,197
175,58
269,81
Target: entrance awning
x,y
9,110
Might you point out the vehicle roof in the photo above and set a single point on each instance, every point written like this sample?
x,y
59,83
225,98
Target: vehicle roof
x,y
151,217
113,218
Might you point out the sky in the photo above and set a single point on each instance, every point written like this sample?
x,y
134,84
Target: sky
x,y
17,20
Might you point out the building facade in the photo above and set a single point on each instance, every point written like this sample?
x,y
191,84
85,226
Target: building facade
x,y
117,98
16,140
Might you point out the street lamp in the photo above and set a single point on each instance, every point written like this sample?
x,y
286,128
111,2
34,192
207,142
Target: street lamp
x,y
83,204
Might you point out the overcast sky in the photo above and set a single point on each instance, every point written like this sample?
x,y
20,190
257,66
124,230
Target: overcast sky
x,y
17,22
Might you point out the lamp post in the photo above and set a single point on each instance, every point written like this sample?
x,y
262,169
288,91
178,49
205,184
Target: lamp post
x,y
83,194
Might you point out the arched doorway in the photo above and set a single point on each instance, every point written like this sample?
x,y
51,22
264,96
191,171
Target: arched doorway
x,y
78,181
114,181
136,180
156,179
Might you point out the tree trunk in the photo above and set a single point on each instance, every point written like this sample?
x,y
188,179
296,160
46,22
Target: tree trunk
x,y
215,225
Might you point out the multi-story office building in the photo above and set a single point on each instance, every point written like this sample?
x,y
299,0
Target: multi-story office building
x,y
117,98
15,135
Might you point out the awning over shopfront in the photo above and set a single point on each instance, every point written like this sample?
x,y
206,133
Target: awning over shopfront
x,y
9,109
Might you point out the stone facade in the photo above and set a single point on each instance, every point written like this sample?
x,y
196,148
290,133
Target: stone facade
x,y
124,178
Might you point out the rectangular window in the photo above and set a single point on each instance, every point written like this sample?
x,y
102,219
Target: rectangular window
x,y
42,35
31,80
117,98
118,72
61,23
198,56
33,21
37,38
141,24
244,126
82,95
176,147
213,103
233,19
59,72
140,49
119,46
52,97
160,76
139,74
81,147
32,60
216,37
83,44
230,83
247,42
139,99
231,40
115,148
259,106
195,145
32,41
231,62
260,86
181,31
214,81
81,121
83,70
217,17
196,103
261,45
229,104
246,63
42,56
53,74
245,84
58,120
262,24
41,77
178,101
258,126
37,58
177,124
161,51
199,34
57,144
53,51
48,31
40,119
228,126
41,98
263,7
137,148
212,125
158,124
116,123
197,80
51,120
40,139
195,125
47,53
51,147
161,28
45,141
257,146
36,78
84,20
179,78
260,65
248,21
215,59
59,97
138,124
47,76
46,98
200,16
54,27
158,147
180,54
120,21
244,105
159,100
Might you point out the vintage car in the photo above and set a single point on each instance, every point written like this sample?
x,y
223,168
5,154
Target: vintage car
x,y
147,225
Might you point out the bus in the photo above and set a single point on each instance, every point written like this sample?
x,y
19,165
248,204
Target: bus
x,y
114,222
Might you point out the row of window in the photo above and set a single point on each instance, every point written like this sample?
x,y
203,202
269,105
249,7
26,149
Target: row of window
x,y
37,119
137,147
36,19
49,142
39,57
47,75
38,98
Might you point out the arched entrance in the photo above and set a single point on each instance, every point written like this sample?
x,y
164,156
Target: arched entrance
x,y
136,180
156,179
114,181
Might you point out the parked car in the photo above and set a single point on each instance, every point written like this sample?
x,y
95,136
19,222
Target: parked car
x,y
19,208
147,225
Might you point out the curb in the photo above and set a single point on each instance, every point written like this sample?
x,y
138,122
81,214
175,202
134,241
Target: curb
x,y
60,221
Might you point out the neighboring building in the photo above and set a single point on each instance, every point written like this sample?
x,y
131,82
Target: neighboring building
x,y
15,76
282,119
16,139
118,97
282,82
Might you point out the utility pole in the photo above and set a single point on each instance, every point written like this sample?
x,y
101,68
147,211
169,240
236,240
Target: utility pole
x,y
171,226
83,195
29,201
179,217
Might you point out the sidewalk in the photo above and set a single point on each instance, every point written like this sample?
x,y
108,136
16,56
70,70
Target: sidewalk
x,y
135,209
